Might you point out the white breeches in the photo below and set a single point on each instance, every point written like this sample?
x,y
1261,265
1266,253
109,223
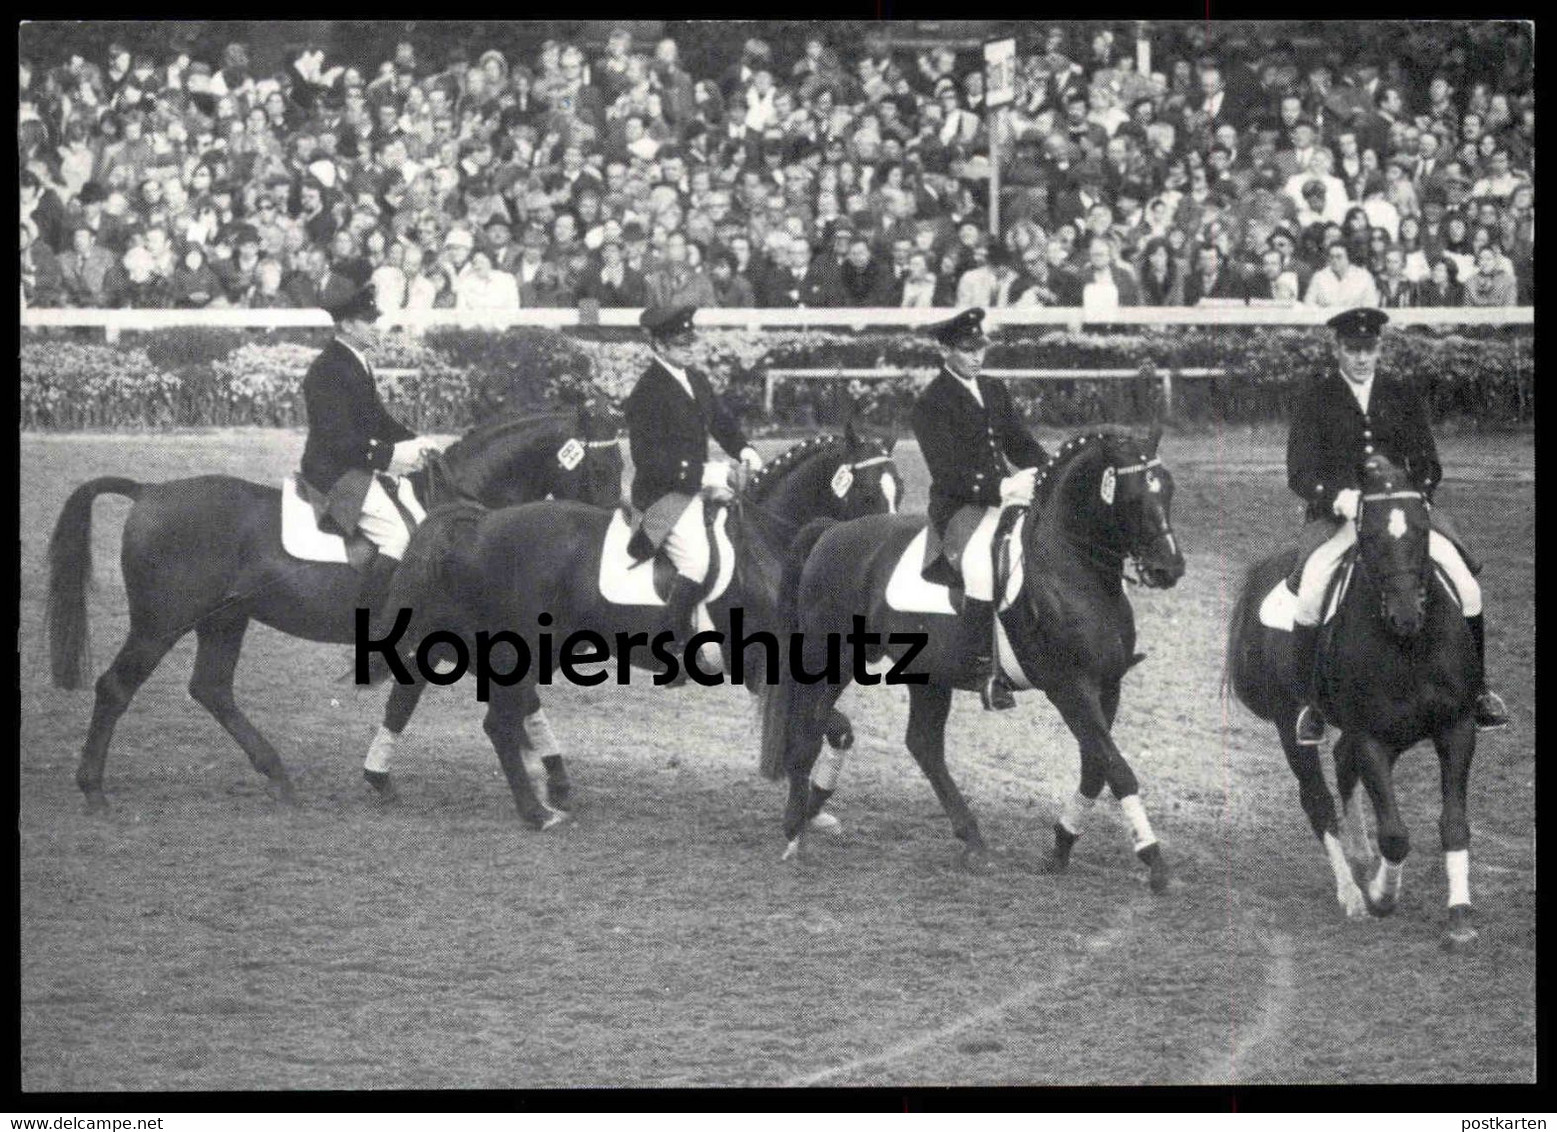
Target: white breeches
x,y
1322,563
687,544
381,522
978,570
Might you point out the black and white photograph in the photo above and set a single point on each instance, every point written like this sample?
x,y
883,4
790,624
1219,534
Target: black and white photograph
x,y
776,554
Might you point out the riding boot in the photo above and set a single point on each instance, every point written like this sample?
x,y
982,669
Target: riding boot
x,y
1491,712
978,627
1305,646
681,606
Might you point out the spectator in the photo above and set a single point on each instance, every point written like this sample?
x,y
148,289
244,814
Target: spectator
x,y
1210,279
1442,287
1161,281
135,283
85,269
43,283
730,288
266,292
1105,284
1490,285
193,283
1342,284
1395,290
484,292
1275,281
919,285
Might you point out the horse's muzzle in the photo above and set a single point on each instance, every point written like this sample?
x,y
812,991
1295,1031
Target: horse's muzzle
x,y
1162,565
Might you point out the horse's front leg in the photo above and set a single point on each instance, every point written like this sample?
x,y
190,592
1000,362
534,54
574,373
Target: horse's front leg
x,y
1376,761
543,743
505,726
1319,805
1456,747
398,710
1081,705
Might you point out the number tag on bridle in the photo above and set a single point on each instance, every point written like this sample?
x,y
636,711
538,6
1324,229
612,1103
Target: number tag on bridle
x,y
1397,523
1107,486
570,454
843,480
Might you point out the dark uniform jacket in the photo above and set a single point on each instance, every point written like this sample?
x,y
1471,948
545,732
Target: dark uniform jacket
x,y
350,433
966,447
1330,438
667,433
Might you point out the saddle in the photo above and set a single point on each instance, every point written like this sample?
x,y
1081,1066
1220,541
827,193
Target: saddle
x,y
626,580
302,537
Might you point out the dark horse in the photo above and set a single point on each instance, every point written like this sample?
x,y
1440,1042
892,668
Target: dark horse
x,y
1103,499
1399,666
205,554
469,571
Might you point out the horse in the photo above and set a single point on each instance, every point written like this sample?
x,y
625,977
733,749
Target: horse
x,y
205,553
1398,666
1105,497
538,567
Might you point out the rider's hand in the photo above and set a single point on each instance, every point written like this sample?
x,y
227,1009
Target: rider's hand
x,y
750,460
1017,488
716,480
1346,502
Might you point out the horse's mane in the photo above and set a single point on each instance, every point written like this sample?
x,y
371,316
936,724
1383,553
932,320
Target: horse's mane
x,y
1064,457
761,484
525,429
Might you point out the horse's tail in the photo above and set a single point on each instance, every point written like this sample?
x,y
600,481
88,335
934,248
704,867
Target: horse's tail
x,y
422,580
1242,675
777,694
70,571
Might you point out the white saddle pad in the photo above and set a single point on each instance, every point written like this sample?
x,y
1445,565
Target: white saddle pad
x,y
908,592
300,533
626,582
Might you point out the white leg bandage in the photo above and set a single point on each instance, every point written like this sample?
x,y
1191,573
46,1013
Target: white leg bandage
x,y
1140,825
1456,863
1347,894
537,728
1386,882
380,750
1442,551
827,768
1073,814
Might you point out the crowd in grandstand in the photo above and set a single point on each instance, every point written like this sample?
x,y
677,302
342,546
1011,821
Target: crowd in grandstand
x,y
819,174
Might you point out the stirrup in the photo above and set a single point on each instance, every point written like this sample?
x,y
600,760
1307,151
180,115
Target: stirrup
x,y
1491,712
995,693
1310,726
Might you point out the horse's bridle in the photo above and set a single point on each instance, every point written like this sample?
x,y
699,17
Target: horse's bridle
x,y
1423,573
1116,559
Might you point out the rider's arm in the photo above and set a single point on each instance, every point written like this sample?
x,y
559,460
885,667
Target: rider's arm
x,y
1021,446
1307,472
1422,465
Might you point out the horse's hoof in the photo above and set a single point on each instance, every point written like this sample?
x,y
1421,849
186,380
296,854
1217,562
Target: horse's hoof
x,y
286,794
824,822
1160,876
382,784
1353,903
554,819
1462,933
791,851
1381,908
559,797
96,804
546,819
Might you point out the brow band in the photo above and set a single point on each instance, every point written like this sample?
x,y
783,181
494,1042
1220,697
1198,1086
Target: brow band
x,y
1379,497
870,463
1133,468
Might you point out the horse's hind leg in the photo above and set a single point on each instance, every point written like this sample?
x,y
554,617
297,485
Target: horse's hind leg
x,y
1456,747
1319,805
505,726
216,660
928,707
115,689
804,744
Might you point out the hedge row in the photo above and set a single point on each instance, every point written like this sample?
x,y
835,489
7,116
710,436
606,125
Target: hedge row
x,y
233,377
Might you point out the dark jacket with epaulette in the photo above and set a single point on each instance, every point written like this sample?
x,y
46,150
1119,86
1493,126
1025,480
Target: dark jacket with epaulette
x,y
667,433
1331,437
350,432
965,446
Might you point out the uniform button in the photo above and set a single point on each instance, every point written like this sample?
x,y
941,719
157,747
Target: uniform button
x,y
1367,449
1367,434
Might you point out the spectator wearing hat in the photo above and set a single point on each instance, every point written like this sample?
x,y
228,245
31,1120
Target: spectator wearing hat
x,y
968,427
671,413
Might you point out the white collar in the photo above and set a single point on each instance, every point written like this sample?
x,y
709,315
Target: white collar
x,y
356,353
1363,393
972,386
678,373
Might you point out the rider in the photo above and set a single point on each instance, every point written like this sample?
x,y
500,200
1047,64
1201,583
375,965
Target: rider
x,y
670,414
1338,421
967,427
351,437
